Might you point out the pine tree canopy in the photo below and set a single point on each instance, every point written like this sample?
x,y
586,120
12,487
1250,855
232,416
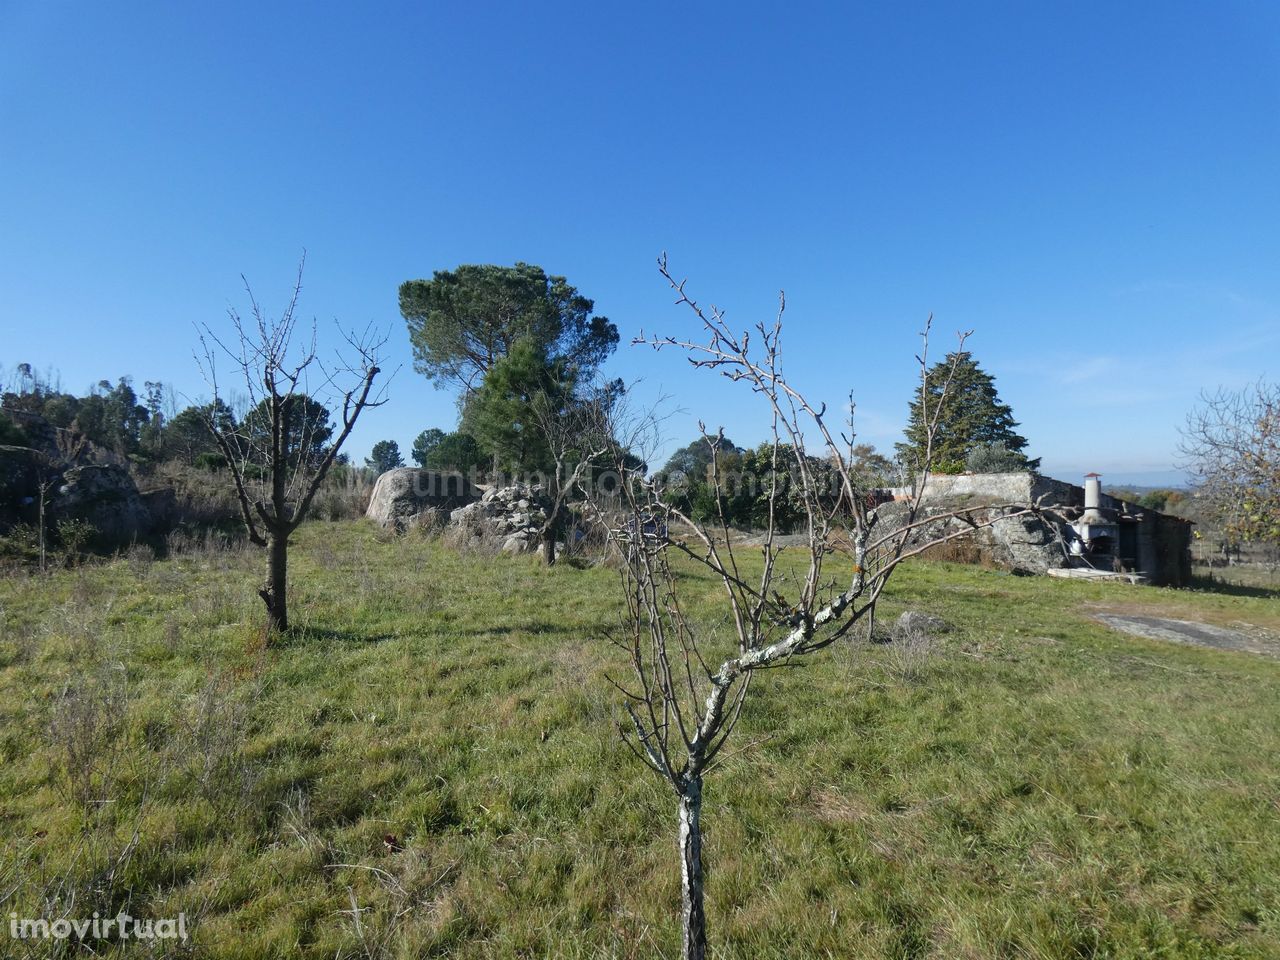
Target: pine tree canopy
x,y
384,456
500,414
461,322
972,417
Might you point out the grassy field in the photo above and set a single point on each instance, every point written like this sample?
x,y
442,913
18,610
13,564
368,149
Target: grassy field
x,y
1266,577
1032,785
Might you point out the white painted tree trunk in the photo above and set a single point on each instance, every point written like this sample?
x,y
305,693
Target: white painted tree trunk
x,y
695,918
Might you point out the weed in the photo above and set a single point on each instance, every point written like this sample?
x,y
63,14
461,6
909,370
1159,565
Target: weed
x,y
909,651
88,731
210,742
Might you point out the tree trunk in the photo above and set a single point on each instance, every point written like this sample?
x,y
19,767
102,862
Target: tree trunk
x,y
695,920
549,531
44,496
275,594
549,544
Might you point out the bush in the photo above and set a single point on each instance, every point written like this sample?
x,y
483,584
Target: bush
x,y
75,535
10,433
20,547
993,458
344,495
210,461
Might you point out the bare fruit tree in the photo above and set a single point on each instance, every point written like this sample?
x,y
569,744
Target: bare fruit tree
x,y
689,683
280,451
1231,444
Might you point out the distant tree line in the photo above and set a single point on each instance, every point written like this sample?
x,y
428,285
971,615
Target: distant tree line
x,y
114,417
111,415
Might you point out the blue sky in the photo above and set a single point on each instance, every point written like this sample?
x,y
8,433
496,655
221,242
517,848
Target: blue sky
x,y
1092,188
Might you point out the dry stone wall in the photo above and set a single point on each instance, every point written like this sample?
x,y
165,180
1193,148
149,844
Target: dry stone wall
x,y
509,517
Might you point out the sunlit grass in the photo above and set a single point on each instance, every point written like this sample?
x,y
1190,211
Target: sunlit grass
x,y
1039,787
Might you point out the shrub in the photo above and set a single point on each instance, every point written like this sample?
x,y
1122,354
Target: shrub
x,y
210,461
88,731
993,458
10,433
74,534
20,547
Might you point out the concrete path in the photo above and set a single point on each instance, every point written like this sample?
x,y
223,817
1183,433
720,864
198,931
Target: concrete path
x,y
1188,631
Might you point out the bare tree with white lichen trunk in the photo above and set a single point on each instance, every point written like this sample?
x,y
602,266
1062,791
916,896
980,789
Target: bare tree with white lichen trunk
x,y
687,688
280,455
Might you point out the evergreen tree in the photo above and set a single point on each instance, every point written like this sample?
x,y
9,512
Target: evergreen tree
x,y
501,414
307,430
452,451
151,436
111,416
425,443
187,435
384,456
692,462
972,416
462,322
870,467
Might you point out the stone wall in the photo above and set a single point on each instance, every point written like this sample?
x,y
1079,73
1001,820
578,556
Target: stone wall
x,y
508,518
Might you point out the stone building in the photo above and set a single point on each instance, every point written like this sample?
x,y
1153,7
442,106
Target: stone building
x,y
1080,532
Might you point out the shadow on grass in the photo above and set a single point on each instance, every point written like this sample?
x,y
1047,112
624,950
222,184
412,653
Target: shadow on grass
x,y
299,636
302,635
534,627
1212,584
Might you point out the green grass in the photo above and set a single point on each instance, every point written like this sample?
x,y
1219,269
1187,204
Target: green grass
x,y
1245,578
1037,787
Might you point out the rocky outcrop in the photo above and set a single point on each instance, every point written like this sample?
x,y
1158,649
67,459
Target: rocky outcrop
x,y
408,496
1022,544
64,445
1025,544
104,496
509,518
21,473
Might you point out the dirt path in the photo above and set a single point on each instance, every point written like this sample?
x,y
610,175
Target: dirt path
x,y
1189,631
